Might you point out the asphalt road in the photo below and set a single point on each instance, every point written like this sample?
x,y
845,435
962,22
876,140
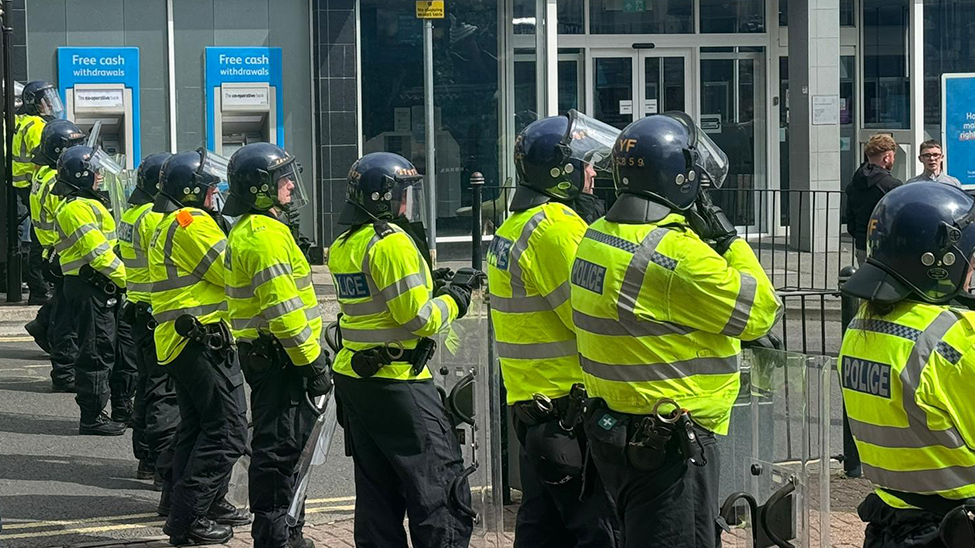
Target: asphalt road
x,y
60,489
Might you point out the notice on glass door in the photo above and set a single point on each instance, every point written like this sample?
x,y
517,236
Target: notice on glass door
x,y
626,107
650,106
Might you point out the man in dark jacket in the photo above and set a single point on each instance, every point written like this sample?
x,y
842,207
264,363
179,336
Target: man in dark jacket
x,y
867,187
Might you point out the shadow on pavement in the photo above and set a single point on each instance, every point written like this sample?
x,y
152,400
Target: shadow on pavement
x,y
95,472
34,385
22,423
30,353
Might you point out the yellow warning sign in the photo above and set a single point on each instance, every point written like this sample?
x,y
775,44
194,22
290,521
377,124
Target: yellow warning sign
x,y
429,9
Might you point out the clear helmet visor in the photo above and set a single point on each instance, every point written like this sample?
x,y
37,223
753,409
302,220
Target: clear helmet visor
x,y
213,167
710,158
110,180
50,103
288,187
18,95
591,143
407,198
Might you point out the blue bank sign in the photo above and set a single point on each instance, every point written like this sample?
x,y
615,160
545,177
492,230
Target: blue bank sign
x,y
958,125
104,66
243,65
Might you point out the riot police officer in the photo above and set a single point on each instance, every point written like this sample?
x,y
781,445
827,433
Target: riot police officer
x,y
528,276
406,457
53,317
156,413
662,293
94,278
193,342
908,370
40,103
274,317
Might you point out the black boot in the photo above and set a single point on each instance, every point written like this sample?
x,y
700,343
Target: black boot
x,y
202,531
225,513
36,330
122,411
297,540
100,425
39,298
146,470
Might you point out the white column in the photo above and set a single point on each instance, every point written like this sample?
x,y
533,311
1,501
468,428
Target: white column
x,y
547,54
814,130
916,55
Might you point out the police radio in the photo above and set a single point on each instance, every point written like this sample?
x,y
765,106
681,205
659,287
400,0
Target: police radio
x,y
189,327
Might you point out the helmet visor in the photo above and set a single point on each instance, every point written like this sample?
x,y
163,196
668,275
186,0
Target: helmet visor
x,y
287,185
50,103
109,180
591,142
711,160
407,198
213,167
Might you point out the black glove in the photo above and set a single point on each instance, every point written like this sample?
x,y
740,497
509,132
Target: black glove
x,y
712,225
460,294
318,375
769,340
440,278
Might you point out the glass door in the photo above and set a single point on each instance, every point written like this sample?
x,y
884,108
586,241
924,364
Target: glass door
x,y
612,93
664,77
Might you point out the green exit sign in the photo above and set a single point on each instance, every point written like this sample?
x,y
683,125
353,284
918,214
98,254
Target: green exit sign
x,y
634,5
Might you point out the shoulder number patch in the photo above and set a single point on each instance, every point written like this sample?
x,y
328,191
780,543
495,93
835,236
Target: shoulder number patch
x,y
125,232
867,377
499,253
184,218
352,286
588,275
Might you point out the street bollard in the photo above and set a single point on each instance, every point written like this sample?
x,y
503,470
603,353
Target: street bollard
x,y
848,309
477,188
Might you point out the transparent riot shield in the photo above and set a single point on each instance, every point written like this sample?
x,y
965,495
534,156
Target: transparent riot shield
x,y
470,387
774,485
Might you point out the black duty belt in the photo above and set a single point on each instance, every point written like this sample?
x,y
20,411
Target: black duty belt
x,y
541,408
368,362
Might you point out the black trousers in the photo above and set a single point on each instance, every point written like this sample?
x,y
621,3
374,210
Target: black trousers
x,y
126,371
282,424
211,434
63,334
95,330
34,272
156,414
406,459
889,527
552,516
675,506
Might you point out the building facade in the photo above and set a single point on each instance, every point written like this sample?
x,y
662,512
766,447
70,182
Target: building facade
x,y
351,81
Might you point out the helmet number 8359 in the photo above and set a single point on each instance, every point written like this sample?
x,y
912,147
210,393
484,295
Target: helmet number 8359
x,y
631,161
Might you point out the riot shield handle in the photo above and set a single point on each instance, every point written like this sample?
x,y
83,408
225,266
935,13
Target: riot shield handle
x,y
767,510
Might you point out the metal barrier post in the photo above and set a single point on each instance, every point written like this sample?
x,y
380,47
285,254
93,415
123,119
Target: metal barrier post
x,y
13,285
848,309
477,188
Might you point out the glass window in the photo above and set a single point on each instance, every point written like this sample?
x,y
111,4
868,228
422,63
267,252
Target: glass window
x,y
466,94
571,20
732,16
949,46
886,82
569,74
613,86
847,13
641,16
526,90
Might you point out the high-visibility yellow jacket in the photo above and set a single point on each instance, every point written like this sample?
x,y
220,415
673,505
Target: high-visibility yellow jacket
x,y
27,136
528,275
269,288
135,232
908,382
385,292
186,269
44,205
86,231
659,314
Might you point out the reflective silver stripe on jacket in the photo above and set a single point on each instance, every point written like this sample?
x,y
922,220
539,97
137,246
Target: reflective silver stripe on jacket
x,y
916,435
377,335
260,322
196,311
173,279
87,258
263,276
743,306
537,351
663,371
426,312
141,260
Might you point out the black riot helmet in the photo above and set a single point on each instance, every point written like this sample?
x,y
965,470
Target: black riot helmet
x,y
41,98
56,137
659,165
189,179
147,178
382,185
920,241
81,171
263,176
555,155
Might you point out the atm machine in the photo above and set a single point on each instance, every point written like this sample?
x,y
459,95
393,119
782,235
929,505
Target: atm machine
x,y
243,113
111,104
